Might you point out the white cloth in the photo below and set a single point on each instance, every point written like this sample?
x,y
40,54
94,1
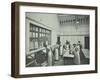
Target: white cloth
x,y
66,52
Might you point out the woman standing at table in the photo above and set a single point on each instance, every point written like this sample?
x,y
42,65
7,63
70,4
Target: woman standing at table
x,y
66,49
77,54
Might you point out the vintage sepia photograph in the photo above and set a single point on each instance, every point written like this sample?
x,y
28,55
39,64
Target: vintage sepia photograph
x,y
53,39
57,39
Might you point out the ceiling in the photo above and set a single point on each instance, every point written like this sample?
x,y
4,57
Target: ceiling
x,y
69,19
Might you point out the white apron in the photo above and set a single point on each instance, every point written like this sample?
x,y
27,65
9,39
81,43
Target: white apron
x,y
50,58
56,54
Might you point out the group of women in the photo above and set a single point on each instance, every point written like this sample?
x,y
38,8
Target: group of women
x,y
50,55
75,50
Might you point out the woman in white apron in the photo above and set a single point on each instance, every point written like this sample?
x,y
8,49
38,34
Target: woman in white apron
x,y
77,55
56,52
66,49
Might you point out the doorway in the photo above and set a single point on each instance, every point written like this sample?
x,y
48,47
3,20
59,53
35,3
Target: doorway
x,y
87,42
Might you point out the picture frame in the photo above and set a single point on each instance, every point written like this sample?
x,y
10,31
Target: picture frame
x,y
19,46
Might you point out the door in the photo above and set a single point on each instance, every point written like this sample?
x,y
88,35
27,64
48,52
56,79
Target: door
x,y
87,43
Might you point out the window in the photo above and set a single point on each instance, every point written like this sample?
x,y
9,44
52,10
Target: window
x,y
38,35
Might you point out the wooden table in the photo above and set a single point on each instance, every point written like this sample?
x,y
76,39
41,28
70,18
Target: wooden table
x,y
68,59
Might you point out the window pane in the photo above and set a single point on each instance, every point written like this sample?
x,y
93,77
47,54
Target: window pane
x,y
33,34
36,35
40,29
36,28
33,28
